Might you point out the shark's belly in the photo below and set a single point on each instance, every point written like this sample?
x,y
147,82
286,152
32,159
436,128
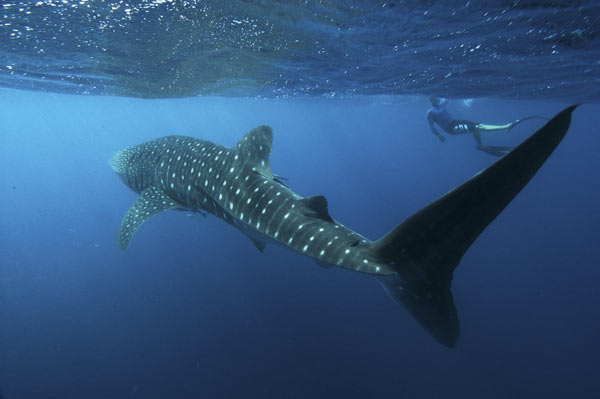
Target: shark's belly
x,y
327,243
262,207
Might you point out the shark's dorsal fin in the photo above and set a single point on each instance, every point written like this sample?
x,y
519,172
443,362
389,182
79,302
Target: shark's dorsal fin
x,y
151,201
315,207
256,146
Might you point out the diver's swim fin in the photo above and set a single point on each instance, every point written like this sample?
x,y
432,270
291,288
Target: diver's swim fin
x,y
518,121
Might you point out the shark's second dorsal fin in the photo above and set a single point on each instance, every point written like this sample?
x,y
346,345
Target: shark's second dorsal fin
x,y
256,146
316,207
151,201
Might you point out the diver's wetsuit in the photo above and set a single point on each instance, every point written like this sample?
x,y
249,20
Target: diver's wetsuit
x,y
441,117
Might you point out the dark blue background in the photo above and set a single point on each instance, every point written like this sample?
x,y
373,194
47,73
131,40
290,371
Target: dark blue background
x,y
193,309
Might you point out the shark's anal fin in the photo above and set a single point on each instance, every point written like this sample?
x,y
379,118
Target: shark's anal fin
x,y
427,247
260,245
315,207
150,202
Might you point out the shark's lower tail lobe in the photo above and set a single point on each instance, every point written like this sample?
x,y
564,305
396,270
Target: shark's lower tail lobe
x,y
427,247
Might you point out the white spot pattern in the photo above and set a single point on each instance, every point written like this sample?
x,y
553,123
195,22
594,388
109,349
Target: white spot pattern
x,y
259,204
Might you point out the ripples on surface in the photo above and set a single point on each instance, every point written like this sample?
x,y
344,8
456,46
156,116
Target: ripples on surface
x,y
162,48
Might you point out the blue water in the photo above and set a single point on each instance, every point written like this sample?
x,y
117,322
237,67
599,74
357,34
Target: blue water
x,y
192,309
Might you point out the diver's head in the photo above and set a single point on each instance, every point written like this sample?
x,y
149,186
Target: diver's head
x,y
437,101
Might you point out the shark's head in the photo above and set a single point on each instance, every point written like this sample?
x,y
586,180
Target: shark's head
x,y
135,164
118,162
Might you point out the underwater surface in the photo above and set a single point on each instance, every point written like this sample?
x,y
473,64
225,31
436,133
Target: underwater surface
x,y
517,49
192,308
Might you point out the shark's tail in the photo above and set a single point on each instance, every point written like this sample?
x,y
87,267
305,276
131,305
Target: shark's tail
x,y
427,247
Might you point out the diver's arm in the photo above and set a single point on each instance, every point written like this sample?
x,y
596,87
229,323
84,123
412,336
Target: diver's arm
x,y
432,127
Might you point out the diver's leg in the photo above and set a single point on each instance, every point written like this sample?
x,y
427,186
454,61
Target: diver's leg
x,y
472,127
493,128
477,137
459,127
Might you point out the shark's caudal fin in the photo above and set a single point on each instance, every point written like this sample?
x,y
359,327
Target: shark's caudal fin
x,y
427,247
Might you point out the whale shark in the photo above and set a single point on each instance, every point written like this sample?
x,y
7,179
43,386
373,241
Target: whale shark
x,y
414,262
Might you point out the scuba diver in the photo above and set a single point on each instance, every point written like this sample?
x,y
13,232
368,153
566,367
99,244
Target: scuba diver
x,y
438,114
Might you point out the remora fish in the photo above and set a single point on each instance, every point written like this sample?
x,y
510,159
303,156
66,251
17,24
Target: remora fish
x,y
414,261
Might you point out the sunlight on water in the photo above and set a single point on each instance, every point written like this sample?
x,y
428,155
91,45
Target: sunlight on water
x,y
165,48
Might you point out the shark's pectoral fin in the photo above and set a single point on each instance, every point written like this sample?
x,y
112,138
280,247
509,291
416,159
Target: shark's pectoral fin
x,y
151,201
315,207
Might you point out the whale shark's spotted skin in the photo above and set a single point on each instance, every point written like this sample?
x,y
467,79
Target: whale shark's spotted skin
x,y
236,185
414,262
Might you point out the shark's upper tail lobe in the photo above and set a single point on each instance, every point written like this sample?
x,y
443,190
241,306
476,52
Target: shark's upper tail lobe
x,y
427,247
